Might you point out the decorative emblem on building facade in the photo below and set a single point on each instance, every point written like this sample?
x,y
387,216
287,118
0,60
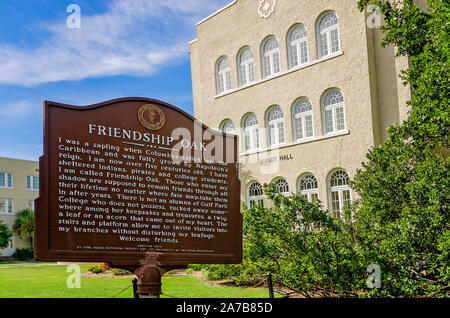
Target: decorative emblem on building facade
x,y
151,117
266,8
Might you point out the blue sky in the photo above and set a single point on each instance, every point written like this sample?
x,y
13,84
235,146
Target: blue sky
x,y
123,48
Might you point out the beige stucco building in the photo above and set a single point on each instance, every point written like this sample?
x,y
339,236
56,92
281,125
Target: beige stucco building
x,y
19,187
306,85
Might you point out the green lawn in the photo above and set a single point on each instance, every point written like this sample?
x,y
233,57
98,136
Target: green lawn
x,y
49,281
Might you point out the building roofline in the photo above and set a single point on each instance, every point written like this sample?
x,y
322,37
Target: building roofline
x,y
34,161
216,13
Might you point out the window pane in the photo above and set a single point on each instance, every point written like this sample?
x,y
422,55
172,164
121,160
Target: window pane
x,y
267,66
36,183
336,206
308,182
346,198
334,34
251,72
9,180
339,178
280,132
272,134
247,141
220,84
323,44
333,97
2,205
314,197
282,186
228,127
299,127
330,19
228,79
276,62
329,121
242,75
256,137
340,120
309,126
304,52
294,55
10,205
261,203
2,180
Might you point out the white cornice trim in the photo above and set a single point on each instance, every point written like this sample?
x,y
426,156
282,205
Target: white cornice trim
x,y
215,13
295,143
281,74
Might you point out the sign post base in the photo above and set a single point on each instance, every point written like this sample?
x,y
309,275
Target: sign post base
x,y
149,276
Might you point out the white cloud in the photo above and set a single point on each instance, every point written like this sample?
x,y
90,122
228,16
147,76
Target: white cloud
x,y
15,109
134,37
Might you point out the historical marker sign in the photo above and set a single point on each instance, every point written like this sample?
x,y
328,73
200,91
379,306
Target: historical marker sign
x,y
135,175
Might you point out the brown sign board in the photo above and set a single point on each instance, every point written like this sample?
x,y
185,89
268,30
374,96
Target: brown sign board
x,y
130,176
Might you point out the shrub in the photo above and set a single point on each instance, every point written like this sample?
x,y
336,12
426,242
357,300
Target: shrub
x,y
120,272
23,254
98,269
5,235
24,225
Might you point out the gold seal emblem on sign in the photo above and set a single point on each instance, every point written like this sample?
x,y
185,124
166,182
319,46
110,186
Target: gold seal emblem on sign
x,y
151,117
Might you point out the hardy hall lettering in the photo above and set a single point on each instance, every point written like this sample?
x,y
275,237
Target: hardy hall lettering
x,y
114,182
271,160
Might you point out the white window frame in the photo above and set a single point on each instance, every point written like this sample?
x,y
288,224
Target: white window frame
x,y
7,176
340,191
277,182
9,206
269,56
302,116
227,127
223,76
296,45
327,32
251,133
333,108
31,182
255,200
276,126
246,67
309,193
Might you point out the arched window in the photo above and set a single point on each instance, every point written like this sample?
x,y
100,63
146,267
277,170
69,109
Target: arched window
x,y
309,188
271,57
298,46
251,131
275,126
246,66
223,74
227,127
328,34
282,186
303,119
340,192
333,111
255,195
